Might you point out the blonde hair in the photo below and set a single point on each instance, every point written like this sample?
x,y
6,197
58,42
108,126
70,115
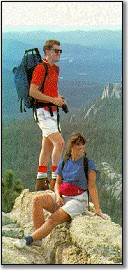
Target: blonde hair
x,y
49,43
75,137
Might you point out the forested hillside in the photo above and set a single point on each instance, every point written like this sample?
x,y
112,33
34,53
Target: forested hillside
x,y
87,64
22,139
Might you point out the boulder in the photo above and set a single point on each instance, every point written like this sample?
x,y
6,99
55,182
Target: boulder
x,y
87,239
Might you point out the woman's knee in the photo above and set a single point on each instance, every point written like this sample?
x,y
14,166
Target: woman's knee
x,y
44,201
37,200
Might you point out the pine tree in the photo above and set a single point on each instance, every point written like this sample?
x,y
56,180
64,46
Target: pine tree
x,y
11,189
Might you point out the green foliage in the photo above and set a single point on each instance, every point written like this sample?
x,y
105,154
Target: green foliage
x,y
110,203
103,131
21,144
11,189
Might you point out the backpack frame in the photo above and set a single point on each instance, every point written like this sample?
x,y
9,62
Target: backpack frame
x,y
23,75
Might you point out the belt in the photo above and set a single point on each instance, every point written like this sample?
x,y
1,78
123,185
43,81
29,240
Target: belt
x,y
49,105
43,104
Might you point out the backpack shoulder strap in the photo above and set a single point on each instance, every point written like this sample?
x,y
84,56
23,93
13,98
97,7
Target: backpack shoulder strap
x,y
45,65
46,74
86,166
86,174
56,68
63,162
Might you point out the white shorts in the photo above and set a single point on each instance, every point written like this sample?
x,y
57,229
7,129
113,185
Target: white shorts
x,y
47,123
73,205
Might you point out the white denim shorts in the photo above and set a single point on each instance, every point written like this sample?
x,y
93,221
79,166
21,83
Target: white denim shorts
x,y
47,123
73,205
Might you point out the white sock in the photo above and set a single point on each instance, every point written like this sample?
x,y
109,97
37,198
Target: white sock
x,y
54,175
41,175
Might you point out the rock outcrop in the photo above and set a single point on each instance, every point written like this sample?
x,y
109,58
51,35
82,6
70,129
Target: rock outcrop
x,y
112,90
114,182
92,111
87,239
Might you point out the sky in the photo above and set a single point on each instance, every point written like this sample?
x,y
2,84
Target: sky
x,y
58,16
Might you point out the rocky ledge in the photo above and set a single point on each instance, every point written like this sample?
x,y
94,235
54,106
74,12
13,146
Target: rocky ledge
x,y
85,240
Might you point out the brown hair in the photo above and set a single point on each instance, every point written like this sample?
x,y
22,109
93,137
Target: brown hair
x,y
76,137
49,43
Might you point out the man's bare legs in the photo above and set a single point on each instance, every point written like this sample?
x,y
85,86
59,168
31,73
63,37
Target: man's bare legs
x,y
46,150
54,144
51,146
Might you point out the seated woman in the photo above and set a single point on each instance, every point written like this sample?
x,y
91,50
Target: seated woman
x,y
70,196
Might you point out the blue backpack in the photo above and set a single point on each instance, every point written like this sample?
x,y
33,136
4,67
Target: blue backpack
x,y
23,75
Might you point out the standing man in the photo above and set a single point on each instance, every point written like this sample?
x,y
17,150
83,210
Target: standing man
x,y
52,141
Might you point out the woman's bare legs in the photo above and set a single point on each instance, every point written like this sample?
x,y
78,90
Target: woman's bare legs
x,y
41,202
58,217
42,227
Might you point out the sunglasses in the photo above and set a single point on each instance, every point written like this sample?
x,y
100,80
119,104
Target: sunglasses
x,y
56,50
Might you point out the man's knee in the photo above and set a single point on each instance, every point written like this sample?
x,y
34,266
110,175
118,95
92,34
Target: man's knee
x,y
60,143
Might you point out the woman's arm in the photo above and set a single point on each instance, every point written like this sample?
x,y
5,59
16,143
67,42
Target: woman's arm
x,y
59,200
93,193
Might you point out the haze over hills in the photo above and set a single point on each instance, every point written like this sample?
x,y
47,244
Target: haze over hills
x,y
88,62
86,51
100,38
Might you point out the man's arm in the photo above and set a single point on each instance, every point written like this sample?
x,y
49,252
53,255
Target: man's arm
x,y
37,94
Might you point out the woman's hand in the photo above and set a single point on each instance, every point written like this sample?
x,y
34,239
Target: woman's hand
x,y
59,201
98,213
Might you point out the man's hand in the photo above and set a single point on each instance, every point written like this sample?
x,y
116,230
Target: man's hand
x,y
59,101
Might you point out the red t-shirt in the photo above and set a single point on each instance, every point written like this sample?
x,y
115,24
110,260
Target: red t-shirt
x,y
51,81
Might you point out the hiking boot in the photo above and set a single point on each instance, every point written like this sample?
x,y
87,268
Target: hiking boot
x,y
20,244
52,184
42,184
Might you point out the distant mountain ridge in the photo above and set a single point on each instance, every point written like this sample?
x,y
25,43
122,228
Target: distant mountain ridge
x,y
89,61
86,38
89,49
